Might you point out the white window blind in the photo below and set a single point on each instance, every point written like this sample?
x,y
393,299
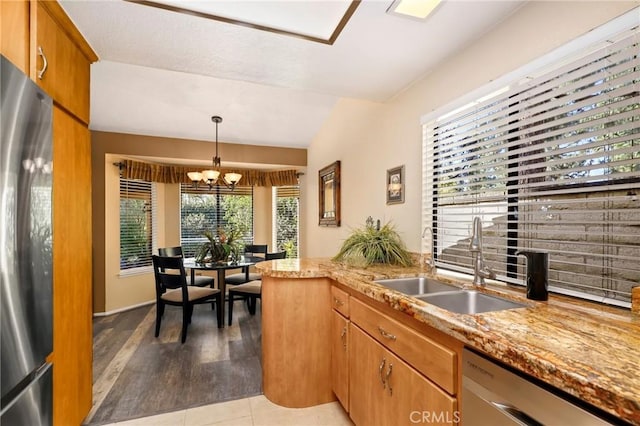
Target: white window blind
x,y
550,162
137,230
286,219
204,209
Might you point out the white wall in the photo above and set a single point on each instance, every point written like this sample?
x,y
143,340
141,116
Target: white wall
x,y
370,138
351,135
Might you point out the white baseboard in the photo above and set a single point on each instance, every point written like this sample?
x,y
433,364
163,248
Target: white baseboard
x,y
127,308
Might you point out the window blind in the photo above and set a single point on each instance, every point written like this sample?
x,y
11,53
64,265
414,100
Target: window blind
x,y
550,162
137,231
286,219
204,209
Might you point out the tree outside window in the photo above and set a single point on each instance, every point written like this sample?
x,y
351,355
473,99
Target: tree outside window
x,y
203,210
136,242
286,220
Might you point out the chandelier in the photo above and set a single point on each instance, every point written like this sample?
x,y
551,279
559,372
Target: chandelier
x,y
211,177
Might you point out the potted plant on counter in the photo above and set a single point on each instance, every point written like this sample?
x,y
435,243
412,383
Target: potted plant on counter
x,y
374,244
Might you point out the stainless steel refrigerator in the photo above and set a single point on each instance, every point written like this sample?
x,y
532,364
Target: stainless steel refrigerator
x,y
26,316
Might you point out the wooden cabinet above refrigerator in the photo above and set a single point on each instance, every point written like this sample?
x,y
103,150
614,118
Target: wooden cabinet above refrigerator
x,y
60,59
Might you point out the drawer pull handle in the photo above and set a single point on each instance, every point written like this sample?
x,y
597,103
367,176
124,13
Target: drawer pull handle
x,y
337,301
388,379
380,370
45,64
386,334
343,337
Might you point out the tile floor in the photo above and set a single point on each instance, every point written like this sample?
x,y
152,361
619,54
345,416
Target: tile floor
x,y
253,411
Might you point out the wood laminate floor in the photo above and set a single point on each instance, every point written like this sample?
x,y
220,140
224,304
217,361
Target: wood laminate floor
x,y
137,375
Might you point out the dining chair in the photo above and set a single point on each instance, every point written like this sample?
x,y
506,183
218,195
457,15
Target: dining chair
x,y
253,250
252,290
172,289
198,280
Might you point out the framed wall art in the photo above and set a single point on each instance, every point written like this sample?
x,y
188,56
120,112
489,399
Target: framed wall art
x,y
395,185
329,195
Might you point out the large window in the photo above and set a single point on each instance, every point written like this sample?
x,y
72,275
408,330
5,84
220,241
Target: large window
x,y
210,210
551,162
137,201
286,219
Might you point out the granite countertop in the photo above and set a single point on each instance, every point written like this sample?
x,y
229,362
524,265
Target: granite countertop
x,y
588,350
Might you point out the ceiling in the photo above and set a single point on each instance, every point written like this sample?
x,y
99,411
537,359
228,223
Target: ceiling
x,y
164,73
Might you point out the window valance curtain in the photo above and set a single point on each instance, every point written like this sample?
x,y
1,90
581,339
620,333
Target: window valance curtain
x,y
178,174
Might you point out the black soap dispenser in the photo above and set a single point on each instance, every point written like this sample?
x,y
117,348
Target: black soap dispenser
x,y
537,274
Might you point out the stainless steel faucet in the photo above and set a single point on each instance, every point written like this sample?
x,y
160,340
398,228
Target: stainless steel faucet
x,y
480,269
430,262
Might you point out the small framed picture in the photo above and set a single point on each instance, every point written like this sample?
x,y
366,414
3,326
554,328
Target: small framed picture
x,y
395,185
329,201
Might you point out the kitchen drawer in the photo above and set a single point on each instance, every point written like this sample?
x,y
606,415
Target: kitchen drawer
x,y
340,301
435,361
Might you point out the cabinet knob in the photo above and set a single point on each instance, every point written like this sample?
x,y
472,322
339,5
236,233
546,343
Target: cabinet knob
x,y
337,301
45,64
386,334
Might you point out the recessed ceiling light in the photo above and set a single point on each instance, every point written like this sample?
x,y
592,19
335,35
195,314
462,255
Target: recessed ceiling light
x,y
418,9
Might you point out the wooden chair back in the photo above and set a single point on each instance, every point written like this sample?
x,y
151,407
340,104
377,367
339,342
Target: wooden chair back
x,y
276,255
170,251
170,274
253,249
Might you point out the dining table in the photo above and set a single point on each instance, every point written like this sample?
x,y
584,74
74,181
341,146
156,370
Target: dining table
x,y
244,262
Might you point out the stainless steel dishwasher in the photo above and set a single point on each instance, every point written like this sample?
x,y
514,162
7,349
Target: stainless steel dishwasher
x,y
493,395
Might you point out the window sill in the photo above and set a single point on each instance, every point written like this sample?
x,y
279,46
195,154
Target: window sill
x,y
135,271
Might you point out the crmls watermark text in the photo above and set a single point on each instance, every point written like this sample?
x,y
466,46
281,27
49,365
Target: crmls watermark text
x,y
446,417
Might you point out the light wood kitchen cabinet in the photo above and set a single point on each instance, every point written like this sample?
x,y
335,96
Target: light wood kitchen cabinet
x,y
296,341
14,32
72,270
66,80
59,63
340,357
384,390
430,358
384,367
398,375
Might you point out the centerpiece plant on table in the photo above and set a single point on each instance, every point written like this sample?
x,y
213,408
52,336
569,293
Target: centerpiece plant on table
x,y
221,247
374,245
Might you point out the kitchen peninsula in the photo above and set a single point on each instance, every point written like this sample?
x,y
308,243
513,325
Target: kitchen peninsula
x,y
585,349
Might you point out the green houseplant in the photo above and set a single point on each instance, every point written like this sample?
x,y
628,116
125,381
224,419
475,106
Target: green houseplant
x,y
219,248
374,244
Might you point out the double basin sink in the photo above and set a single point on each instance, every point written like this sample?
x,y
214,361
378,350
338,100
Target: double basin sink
x,y
449,297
